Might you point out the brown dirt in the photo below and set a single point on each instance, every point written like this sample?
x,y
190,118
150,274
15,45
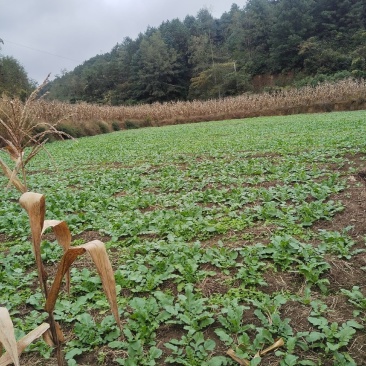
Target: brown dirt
x,y
3,238
214,285
278,281
87,236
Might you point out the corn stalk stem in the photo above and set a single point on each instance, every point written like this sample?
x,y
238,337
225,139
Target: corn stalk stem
x,y
55,339
13,179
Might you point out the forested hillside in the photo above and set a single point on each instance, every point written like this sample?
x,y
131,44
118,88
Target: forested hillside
x,y
265,43
14,80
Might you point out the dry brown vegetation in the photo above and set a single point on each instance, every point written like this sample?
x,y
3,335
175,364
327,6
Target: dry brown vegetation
x,y
86,119
22,127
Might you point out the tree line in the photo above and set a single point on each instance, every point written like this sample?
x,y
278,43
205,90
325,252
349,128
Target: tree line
x,y
265,42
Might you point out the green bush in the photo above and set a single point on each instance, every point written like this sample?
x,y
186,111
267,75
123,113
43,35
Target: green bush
x,y
129,125
72,130
103,127
116,126
321,78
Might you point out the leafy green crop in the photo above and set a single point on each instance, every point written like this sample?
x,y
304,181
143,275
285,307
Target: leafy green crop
x,y
219,233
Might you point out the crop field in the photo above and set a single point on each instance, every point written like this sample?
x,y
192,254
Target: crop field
x,y
223,236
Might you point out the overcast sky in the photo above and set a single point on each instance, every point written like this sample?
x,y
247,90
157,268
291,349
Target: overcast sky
x,y
47,36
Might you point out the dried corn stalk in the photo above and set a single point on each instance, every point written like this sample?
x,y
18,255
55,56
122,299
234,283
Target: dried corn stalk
x,y
243,362
34,204
7,339
19,126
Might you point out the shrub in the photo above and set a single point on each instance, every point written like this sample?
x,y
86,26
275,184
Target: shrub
x,y
116,126
103,127
71,129
129,125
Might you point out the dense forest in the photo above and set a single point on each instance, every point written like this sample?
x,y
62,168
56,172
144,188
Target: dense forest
x,y
265,43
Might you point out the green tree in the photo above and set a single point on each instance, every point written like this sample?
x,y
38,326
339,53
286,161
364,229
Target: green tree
x,y
358,63
220,80
156,66
14,80
294,24
200,53
176,36
337,20
321,58
251,32
126,71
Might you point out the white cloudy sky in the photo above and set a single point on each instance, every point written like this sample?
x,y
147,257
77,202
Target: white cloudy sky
x,y
47,36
